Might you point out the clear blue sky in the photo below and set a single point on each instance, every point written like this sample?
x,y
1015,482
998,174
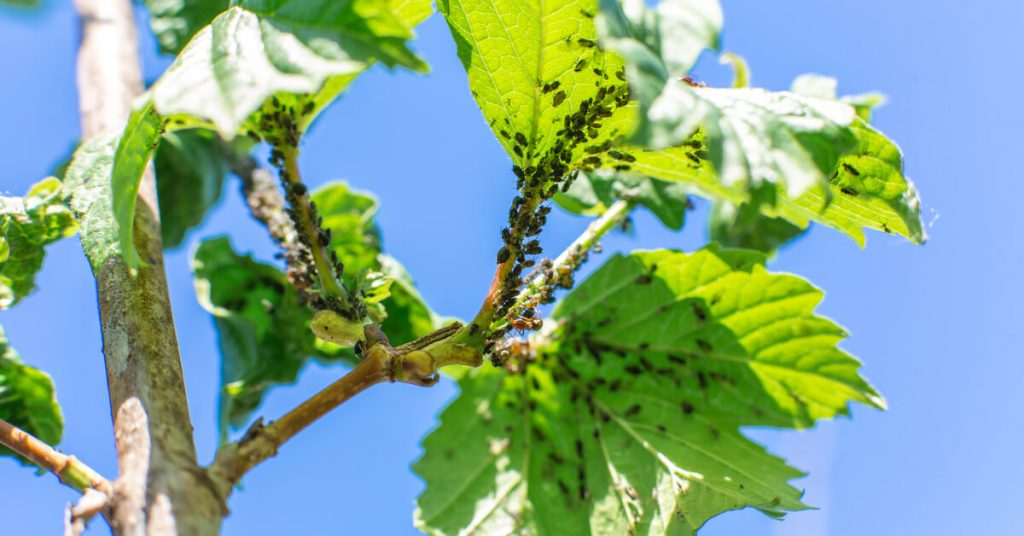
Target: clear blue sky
x,y
938,327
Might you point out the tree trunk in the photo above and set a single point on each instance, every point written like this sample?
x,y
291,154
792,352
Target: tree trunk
x,y
161,488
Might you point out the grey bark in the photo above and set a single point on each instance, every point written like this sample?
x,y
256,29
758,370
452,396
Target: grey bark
x,y
161,489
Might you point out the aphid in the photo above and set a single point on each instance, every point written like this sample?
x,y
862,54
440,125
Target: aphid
x,y
563,487
643,279
691,82
559,98
705,346
634,370
661,428
520,138
849,191
503,255
473,329
851,170
517,150
580,65
886,228
551,86
699,312
622,167
307,108
298,188
585,43
505,134
702,380
687,407
681,361
579,448
633,410
523,324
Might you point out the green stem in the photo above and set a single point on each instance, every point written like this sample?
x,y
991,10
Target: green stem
x,y
612,217
309,229
487,311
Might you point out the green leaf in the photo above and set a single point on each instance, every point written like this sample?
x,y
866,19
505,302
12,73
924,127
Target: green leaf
x,y
531,68
745,226
349,214
134,149
807,142
621,425
27,399
27,225
88,181
174,22
190,170
658,45
263,328
260,48
356,240
592,193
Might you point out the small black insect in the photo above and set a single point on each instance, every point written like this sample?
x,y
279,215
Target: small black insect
x,y
705,346
849,191
633,410
851,170
586,43
520,138
687,407
563,487
503,255
699,312
559,98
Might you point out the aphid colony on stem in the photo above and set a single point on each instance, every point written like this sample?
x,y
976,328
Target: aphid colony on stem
x,y
314,267
540,179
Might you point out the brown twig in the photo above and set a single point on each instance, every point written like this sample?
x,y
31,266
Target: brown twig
x,y
416,362
70,470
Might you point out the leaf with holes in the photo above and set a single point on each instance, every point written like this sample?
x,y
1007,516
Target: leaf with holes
x,y
623,425
27,225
